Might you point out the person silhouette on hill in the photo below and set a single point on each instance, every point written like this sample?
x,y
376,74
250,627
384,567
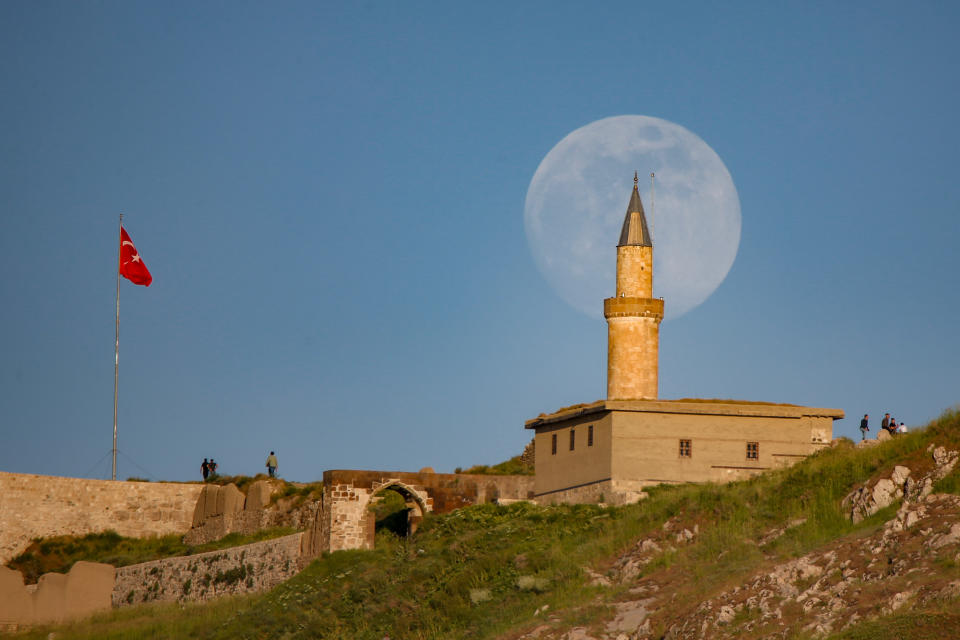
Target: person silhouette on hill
x,y
864,427
213,468
205,469
272,465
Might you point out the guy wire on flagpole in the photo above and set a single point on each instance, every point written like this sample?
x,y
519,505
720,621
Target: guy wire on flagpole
x,y
116,353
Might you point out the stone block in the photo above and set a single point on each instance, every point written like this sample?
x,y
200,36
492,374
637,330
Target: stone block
x,y
229,500
206,504
258,496
88,589
16,606
49,598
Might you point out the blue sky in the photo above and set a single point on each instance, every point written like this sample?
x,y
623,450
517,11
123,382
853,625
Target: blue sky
x,y
330,199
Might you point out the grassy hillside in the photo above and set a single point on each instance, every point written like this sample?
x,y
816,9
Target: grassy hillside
x,y
500,572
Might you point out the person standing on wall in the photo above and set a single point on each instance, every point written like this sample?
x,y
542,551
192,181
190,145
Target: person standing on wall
x,y
885,423
272,465
205,469
864,427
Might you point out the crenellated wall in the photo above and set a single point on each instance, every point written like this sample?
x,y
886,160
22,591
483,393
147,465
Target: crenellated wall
x,y
56,597
33,506
90,587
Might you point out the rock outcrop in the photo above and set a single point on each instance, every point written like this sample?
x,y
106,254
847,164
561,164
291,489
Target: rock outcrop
x,y
867,500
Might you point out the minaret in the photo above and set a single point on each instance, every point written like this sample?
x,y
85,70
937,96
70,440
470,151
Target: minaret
x,y
633,316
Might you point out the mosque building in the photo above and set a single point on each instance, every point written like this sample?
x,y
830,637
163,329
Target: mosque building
x,y
611,449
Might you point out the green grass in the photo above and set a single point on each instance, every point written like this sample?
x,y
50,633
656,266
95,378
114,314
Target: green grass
x,y
58,554
949,484
912,625
524,555
482,571
303,492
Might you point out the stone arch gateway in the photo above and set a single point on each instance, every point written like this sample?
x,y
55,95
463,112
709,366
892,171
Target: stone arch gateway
x,y
344,521
418,503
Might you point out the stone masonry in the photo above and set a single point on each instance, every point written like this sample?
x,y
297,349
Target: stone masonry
x,y
222,510
345,522
633,315
249,568
34,506
57,597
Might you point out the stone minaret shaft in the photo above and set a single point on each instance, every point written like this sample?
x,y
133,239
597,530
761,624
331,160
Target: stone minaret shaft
x,y
633,316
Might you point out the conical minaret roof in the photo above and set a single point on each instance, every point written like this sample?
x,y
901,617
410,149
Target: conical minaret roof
x,y
635,230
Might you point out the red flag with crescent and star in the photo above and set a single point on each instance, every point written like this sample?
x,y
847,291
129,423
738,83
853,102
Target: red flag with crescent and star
x,y
131,266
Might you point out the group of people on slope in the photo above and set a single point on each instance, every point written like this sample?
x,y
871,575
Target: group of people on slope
x,y
888,424
209,467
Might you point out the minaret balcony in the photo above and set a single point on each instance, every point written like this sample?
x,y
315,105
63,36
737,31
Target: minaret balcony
x,y
624,307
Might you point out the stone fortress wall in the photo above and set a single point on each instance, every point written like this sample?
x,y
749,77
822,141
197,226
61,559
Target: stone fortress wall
x,y
56,597
248,568
34,506
91,587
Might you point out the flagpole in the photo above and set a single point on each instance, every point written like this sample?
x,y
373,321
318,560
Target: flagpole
x,y
116,354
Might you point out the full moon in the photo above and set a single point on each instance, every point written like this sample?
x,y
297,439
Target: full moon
x,y
578,197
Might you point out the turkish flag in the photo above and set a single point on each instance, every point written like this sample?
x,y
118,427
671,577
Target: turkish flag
x,y
131,266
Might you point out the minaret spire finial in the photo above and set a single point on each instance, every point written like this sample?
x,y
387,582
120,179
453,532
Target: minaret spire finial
x,y
634,231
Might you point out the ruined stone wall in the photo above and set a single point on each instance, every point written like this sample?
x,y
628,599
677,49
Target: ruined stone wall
x,y
448,491
346,506
529,455
33,506
221,510
56,597
348,524
250,568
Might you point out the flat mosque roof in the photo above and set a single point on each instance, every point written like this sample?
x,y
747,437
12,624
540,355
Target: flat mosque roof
x,y
686,405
